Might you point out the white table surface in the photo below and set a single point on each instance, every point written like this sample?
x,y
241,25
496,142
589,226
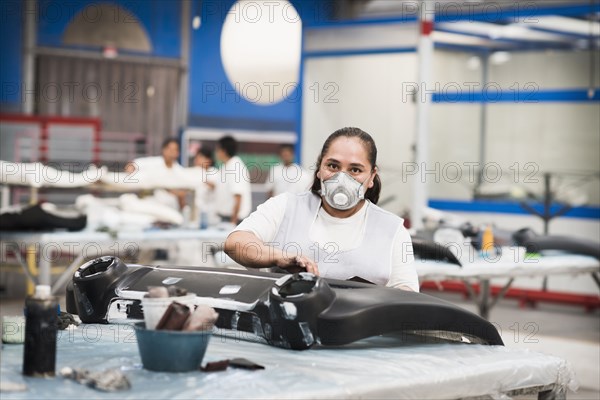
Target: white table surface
x,y
379,367
482,268
85,244
482,271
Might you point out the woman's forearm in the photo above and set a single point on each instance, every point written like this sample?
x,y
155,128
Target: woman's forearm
x,y
248,250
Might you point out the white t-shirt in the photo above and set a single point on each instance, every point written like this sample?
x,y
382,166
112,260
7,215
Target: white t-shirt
x,y
348,233
291,179
205,195
233,178
156,164
155,170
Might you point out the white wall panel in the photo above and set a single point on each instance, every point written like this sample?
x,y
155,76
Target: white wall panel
x,y
372,94
547,69
370,97
455,128
362,37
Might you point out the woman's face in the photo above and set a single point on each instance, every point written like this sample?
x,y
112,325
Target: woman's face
x,y
347,155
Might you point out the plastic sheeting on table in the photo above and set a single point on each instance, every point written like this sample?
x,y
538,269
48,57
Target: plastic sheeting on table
x,y
39,175
393,367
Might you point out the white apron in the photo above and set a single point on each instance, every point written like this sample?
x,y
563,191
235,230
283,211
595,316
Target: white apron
x,y
371,260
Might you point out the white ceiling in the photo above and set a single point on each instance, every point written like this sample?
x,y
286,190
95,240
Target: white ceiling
x,y
531,25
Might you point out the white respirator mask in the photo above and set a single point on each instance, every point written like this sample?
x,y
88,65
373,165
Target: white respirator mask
x,y
341,191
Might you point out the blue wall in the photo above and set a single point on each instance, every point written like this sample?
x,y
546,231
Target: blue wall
x,y
11,40
213,101
160,18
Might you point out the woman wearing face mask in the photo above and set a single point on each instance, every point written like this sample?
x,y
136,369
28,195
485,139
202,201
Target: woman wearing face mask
x,y
335,230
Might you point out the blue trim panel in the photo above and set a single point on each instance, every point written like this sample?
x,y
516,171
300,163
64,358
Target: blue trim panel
x,y
358,22
300,89
523,10
520,42
523,95
357,52
218,122
467,48
437,45
509,207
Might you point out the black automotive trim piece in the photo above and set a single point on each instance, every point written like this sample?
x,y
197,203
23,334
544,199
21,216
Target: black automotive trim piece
x,y
291,311
428,250
535,243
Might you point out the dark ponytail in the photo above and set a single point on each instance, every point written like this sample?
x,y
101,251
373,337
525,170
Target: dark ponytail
x,y
372,194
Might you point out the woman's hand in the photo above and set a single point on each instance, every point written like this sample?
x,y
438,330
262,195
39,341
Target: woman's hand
x,y
298,264
248,250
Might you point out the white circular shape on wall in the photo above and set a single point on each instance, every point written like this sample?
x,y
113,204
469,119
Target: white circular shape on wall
x,y
260,47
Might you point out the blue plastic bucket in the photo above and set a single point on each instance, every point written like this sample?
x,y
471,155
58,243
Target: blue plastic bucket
x,y
171,351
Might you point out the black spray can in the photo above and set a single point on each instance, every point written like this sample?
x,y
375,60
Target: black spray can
x,y
41,324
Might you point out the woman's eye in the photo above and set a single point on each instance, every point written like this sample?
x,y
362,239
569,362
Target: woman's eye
x,y
355,171
332,166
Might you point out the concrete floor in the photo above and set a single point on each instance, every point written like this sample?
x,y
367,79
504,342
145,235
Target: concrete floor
x,y
568,332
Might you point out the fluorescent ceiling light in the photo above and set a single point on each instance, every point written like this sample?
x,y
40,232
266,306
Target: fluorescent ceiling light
x,y
500,57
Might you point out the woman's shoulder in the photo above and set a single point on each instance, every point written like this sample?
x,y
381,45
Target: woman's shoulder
x,y
304,197
306,194
283,199
294,200
384,213
301,196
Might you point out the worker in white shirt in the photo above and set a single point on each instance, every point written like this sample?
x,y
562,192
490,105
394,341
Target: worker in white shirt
x,y
287,176
205,191
233,190
335,230
163,168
